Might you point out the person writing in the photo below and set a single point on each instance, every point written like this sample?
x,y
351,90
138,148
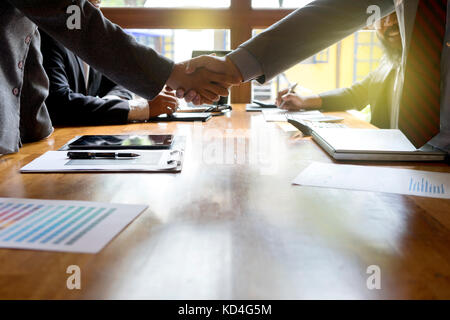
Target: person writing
x,y
376,89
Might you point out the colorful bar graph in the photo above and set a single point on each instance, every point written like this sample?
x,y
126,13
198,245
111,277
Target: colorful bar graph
x,y
25,224
56,225
46,223
78,226
10,209
89,228
68,225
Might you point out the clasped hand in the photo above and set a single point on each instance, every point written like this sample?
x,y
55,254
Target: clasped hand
x,y
203,80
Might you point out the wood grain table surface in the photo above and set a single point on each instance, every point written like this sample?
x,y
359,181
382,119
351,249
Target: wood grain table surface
x,y
232,226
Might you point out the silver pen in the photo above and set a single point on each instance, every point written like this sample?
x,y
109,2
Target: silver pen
x,y
291,90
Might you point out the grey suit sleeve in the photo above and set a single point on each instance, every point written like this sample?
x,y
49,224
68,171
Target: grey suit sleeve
x,y
354,97
302,34
101,44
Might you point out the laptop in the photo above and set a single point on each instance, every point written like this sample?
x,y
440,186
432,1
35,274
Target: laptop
x,y
372,145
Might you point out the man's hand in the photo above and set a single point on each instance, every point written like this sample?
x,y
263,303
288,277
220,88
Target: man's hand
x,y
164,103
207,84
295,102
212,63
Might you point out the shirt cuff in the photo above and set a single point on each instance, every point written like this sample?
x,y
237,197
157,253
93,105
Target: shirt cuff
x,y
247,64
139,110
112,97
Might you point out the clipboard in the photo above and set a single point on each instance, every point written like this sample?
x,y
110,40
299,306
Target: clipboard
x,y
151,161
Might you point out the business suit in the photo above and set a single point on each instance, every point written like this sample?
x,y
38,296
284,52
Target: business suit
x,y
374,90
73,102
320,24
23,82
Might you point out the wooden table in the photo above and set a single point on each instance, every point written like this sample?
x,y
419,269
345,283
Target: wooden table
x,y
234,227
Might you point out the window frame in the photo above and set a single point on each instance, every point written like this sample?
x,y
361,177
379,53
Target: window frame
x,y
240,18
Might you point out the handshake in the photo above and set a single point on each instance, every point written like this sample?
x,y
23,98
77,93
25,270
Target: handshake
x,y
203,80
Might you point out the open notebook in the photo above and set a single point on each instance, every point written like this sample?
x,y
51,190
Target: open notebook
x,y
372,145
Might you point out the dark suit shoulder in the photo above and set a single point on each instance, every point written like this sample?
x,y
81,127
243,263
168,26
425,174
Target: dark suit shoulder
x,y
48,43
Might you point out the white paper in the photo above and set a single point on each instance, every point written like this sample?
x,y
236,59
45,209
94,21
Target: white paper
x,y
69,226
278,115
149,161
377,179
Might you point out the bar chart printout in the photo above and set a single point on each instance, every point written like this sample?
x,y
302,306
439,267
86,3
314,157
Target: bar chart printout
x,y
377,179
54,225
425,186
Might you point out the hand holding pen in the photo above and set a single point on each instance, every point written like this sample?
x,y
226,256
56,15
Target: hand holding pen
x,y
291,101
283,94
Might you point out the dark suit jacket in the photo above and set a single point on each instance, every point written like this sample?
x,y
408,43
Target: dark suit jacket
x,y
102,44
374,90
68,102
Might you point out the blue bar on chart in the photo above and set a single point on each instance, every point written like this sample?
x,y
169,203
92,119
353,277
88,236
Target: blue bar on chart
x,y
425,186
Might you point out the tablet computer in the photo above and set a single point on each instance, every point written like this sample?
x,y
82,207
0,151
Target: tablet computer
x,y
163,141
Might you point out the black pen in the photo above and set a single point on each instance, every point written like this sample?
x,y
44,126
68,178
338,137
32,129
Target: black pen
x,y
101,155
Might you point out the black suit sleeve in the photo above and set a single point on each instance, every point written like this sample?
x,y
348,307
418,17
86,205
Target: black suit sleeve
x,y
101,43
109,88
354,97
67,107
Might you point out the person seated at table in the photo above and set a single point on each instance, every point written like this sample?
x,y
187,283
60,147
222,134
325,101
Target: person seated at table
x,y
376,89
81,95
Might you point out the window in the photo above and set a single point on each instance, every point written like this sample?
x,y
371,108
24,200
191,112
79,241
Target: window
x,y
178,44
123,3
279,3
167,3
321,57
368,53
334,67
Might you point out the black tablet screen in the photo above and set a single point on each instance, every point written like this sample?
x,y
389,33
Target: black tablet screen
x,y
123,142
